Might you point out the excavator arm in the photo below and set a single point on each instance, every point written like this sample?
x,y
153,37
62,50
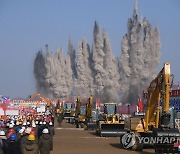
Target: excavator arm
x,y
42,98
159,88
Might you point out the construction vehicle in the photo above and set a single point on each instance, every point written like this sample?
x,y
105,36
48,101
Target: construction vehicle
x,y
91,115
156,122
109,123
46,100
80,114
68,111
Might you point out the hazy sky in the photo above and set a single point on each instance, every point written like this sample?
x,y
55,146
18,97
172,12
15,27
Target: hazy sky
x,y
26,26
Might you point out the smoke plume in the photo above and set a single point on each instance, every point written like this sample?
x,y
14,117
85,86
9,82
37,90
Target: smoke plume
x,y
96,71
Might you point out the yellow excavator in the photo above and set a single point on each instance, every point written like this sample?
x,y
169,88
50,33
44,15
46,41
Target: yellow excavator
x,y
109,123
91,115
80,114
155,125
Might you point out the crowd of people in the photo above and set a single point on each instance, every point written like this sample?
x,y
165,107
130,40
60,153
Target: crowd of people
x,y
26,134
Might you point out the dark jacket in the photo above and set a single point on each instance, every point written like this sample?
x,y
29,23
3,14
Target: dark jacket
x,y
30,147
13,148
24,139
52,131
45,144
3,146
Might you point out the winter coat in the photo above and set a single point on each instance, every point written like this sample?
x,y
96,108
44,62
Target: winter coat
x,y
13,148
24,139
45,144
51,129
30,147
3,146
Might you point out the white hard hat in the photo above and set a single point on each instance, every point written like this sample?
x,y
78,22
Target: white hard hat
x,y
23,128
21,131
50,123
2,133
28,123
33,125
28,130
45,131
40,123
11,125
36,122
44,122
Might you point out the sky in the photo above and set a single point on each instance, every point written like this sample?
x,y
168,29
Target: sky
x,y
26,26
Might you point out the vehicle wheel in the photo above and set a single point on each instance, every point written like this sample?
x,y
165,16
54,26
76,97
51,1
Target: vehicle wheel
x,y
137,146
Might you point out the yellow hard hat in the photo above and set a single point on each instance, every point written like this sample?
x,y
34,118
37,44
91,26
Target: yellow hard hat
x,y
31,137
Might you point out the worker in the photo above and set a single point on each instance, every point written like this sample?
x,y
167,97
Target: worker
x,y
30,146
13,146
51,129
3,142
45,142
25,136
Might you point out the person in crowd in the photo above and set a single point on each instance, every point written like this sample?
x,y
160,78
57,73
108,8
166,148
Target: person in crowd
x,y
24,138
3,142
30,146
13,146
45,142
51,129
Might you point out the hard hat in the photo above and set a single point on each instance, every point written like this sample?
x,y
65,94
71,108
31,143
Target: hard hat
x,y
2,133
18,129
28,130
21,131
31,137
40,123
11,125
44,122
28,123
45,131
9,134
50,123
11,130
33,125
13,137
36,122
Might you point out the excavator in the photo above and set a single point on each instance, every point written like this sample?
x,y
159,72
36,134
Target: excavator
x,y
109,123
155,125
91,115
80,114
46,100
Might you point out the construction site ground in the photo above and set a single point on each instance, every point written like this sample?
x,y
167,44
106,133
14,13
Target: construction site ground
x,y
71,140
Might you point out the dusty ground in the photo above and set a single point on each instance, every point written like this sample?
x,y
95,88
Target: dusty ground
x,y
71,140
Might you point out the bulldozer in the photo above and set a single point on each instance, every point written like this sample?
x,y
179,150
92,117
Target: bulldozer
x,y
109,123
155,125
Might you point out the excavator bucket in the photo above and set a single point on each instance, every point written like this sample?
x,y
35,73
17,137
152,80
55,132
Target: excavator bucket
x,y
112,130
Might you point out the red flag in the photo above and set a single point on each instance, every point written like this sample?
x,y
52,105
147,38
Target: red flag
x,y
140,105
